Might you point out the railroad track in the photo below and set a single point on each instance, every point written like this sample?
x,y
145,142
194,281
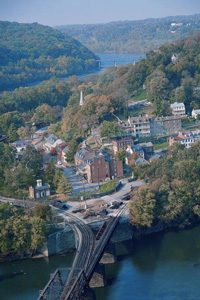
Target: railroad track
x,y
84,251
87,256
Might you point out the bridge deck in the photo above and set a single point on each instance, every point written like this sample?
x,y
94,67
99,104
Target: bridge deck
x,y
88,254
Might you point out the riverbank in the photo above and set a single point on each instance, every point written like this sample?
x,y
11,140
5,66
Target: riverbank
x,y
107,60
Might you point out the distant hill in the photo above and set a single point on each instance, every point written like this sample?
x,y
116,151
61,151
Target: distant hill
x,y
33,52
133,36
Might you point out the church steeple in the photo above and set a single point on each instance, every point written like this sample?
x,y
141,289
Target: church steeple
x,y
82,101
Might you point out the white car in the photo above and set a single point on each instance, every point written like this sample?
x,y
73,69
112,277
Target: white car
x,y
59,162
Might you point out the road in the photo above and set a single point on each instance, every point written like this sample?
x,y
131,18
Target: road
x,y
18,202
78,184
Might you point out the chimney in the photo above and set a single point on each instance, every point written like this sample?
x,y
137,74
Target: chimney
x,y
39,182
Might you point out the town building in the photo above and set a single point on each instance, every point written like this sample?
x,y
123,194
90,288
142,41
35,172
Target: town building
x,y
148,149
174,57
165,125
97,166
136,149
178,109
20,147
39,191
140,126
195,113
186,138
121,144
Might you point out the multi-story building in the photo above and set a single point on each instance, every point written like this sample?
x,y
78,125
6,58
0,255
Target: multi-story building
x,y
96,166
140,126
187,139
178,109
165,125
121,144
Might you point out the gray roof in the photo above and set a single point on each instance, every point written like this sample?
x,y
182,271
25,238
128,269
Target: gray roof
x,y
196,111
176,104
141,160
46,186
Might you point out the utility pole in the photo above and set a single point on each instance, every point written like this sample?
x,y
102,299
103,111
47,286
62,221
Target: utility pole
x,y
98,179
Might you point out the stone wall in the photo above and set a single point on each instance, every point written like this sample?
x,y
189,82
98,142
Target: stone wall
x,y
62,241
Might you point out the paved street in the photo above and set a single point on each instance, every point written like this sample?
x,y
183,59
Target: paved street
x,y
78,184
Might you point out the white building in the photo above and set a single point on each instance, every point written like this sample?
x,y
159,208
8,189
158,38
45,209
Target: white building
x,y
178,108
195,113
140,126
40,190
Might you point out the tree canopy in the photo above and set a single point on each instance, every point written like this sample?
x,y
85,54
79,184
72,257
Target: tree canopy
x,y
32,52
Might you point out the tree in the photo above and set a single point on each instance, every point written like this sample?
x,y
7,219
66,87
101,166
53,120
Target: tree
x,y
73,146
142,207
12,133
50,173
121,155
42,211
63,185
109,129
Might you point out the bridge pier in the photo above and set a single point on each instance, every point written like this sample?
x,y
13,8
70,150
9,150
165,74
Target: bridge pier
x,y
99,277
109,255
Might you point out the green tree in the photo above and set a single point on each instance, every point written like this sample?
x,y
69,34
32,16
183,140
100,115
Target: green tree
x,y
63,185
142,207
73,146
42,211
121,155
109,129
12,133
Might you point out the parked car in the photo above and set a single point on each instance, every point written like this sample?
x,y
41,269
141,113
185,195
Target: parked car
x,y
59,162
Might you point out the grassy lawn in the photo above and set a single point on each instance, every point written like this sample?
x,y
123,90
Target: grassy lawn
x,y
108,186
141,96
161,145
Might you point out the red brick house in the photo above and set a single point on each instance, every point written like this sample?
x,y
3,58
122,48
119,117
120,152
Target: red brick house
x,y
121,144
96,166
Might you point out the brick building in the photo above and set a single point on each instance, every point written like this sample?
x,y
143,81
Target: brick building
x,y
97,167
121,144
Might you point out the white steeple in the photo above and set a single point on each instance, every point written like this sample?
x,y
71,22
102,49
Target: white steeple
x,y
82,101
134,62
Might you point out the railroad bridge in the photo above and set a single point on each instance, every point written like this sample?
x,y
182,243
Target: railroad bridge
x,y
86,271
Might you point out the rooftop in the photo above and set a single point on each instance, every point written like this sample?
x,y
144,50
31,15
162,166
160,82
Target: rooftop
x,y
176,104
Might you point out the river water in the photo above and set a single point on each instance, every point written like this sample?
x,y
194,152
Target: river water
x,y
158,267
107,60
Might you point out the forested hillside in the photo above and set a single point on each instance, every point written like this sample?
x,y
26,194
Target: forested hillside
x,y
172,195
32,52
133,36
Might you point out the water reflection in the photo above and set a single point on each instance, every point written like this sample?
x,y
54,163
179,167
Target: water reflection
x,y
161,266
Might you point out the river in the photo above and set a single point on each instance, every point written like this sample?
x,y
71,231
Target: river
x,y
107,60
158,267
